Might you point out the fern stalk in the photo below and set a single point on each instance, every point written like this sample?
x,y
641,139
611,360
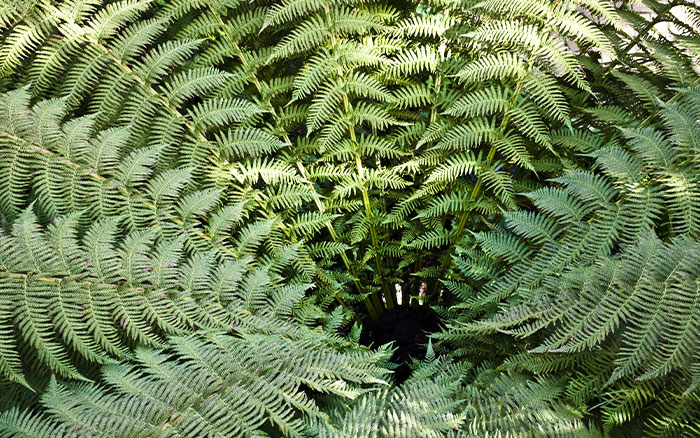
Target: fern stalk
x,y
640,35
43,150
373,307
389,295
480,181
94,175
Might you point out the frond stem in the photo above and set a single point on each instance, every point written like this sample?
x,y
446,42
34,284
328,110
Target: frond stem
x,y
302,170
94,175
480,181
641,34
389,295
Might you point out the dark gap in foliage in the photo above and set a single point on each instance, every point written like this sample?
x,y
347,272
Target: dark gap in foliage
x,y
408,328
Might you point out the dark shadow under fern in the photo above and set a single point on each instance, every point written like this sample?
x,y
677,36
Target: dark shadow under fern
x,y
408,328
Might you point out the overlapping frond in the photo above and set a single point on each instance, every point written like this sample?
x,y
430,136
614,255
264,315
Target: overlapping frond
x,y
211,383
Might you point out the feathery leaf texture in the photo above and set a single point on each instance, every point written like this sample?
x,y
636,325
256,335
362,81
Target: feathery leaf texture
x,y
197,198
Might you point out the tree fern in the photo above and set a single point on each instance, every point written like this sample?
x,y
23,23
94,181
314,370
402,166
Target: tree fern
x,y
199,198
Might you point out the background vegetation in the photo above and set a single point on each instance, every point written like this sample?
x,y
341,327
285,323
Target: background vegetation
x,y
203,202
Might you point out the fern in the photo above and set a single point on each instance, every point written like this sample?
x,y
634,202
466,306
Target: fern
x,y
609,268
198,199
211,383
91,297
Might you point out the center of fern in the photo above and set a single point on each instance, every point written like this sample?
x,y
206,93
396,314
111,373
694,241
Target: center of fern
x,y
408,329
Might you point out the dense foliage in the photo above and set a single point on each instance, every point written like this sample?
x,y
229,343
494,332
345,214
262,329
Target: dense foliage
x,y
203,202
